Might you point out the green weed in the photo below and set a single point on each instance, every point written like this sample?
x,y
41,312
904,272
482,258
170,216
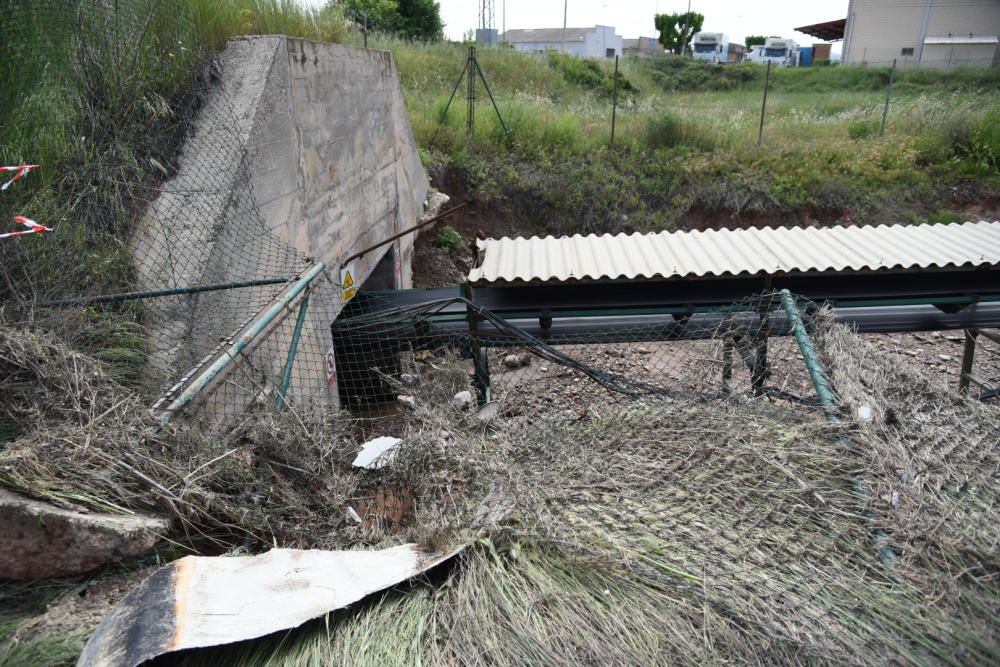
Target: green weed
x,y
448,239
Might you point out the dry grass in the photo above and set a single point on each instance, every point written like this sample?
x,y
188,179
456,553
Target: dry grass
x,y
664,530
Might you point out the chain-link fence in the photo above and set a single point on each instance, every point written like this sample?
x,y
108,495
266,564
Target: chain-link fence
x,y
159,258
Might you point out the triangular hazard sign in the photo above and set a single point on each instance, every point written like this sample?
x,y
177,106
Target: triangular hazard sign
x,y
348,280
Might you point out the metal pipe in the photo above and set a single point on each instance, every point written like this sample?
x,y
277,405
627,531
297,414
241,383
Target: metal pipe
x,y
286,374
229,356
130,296
403,233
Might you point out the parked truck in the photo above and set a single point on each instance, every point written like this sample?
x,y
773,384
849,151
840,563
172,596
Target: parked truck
x,y
711,47
778,51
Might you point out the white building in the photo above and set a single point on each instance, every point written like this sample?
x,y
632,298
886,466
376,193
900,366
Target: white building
x,y
927,32
597,42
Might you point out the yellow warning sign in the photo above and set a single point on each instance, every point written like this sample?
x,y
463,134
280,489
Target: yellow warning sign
x,y
347,289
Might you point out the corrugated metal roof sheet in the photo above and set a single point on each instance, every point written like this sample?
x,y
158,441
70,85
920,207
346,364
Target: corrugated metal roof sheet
x,y
721,253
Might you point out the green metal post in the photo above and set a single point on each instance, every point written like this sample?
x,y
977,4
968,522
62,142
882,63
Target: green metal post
x,y
286,374
763,104
822,385
813,364
614,104
968,357
888,96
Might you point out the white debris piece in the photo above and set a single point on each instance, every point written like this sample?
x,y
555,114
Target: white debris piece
x,y
865,413
377,453
202,601
352,515
462,401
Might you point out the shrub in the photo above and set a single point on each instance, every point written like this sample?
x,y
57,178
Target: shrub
x,y
862,129
668,131
591,75
448,238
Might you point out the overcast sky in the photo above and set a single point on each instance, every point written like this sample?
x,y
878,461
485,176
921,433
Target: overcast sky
x,y
632,18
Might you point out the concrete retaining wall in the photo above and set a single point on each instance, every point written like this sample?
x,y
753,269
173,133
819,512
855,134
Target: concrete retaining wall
x,y
302,151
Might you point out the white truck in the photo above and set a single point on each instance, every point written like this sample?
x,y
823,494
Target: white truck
x,y
711,47
778,51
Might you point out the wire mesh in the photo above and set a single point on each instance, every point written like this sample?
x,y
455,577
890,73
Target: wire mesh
x,y
145,180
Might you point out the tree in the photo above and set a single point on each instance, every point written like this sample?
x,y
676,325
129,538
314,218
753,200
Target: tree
x,y
415,19
676,30
753,40
420,19
376,15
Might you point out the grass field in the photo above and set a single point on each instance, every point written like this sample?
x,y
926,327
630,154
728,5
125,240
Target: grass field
x,y
687,141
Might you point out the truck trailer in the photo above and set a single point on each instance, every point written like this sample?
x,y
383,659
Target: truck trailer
x,y
710,47
778,51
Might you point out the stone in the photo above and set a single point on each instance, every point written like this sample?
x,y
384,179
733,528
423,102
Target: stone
x,y
41,540
409,379
524,359
462,401
512,361
488,412
408,402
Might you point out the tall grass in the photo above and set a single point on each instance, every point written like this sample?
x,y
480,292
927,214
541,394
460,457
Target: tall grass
x,y
218,21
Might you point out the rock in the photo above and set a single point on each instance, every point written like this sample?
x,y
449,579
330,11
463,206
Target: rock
x,y
512,361
408,402
408,379
462,401
642,350
41,540
488,412
524,359
944,357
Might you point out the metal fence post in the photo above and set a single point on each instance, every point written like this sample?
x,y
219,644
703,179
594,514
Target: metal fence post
x,y
470,120
286,374
888,94
968,356
763,106
614,103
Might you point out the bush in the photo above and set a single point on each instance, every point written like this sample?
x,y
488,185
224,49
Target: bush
x,y
448,238
862,129
591,75
668,131
663,131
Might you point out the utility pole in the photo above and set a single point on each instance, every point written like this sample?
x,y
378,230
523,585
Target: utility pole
x,y
687,17
565,12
